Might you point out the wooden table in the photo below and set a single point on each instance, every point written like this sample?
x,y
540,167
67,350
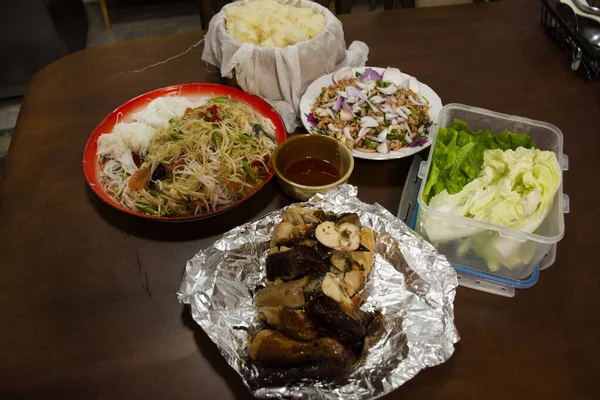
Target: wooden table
x,y
87,294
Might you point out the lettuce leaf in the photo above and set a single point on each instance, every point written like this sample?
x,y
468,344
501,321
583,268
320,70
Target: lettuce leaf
x,y
458,156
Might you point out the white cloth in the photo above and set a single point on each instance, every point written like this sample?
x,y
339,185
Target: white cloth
x,y
281,75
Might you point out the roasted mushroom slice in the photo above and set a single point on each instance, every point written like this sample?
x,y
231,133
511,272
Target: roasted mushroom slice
x,y
345,236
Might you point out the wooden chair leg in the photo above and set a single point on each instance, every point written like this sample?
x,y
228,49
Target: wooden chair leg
x,y
105,14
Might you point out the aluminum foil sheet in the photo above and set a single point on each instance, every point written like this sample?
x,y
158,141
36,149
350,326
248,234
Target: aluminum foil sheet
x,y
410,283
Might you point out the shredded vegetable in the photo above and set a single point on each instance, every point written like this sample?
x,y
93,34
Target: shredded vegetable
x,y
206,159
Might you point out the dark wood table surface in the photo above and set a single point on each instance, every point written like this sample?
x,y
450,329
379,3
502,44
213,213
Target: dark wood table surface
x,y
87,294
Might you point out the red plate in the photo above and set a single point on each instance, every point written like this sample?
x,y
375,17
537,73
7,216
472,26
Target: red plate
x,y
194,92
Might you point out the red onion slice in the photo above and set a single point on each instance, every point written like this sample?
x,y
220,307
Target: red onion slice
x,y
346,115
376,139
330,112
346,107
388,90
362,132
347,134
370,75
415,102
401,113
338,104
383,148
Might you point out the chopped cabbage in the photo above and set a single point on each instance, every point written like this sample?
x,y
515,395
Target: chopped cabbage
x,y
515,189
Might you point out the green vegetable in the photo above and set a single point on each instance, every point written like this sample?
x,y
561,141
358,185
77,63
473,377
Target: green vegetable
x,y
249,170
174,121
243,193
216,138
357,74
458,155
394,130
394,137
244,136
146,209
414,112
371,143
218,100
515,189
381,84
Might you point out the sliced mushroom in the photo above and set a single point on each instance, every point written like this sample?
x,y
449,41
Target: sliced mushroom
x,y
328,234
349,236
346,236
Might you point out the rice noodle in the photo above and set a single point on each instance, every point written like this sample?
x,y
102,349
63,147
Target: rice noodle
x,y
205,162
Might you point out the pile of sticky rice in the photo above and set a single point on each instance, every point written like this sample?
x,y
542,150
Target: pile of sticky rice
x,y
268,23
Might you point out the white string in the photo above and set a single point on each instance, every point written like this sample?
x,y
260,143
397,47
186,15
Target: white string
x,y
165,61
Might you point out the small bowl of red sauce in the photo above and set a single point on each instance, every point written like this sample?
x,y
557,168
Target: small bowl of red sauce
x,y
308,164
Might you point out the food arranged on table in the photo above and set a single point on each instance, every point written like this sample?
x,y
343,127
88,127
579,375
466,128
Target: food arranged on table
x,y
184,155
317,266
297,289
377,113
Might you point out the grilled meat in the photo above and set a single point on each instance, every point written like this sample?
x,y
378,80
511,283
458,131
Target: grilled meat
x,y
293,323
287,294
317,265
295,263
273,348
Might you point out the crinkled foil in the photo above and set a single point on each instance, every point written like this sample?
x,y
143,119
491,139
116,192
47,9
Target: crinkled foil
x,y
410,283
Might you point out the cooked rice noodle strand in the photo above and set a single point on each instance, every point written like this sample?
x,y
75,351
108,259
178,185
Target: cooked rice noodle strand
x,y
212,173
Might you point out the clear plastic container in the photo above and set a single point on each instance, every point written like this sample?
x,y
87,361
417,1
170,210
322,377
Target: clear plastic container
x,y
520,252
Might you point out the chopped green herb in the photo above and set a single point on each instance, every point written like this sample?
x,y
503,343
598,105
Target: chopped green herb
x,y
146,209
394,137
394,130
414,112
381,84
216,138
122,176
175,122
243,193
218,100
244,136
357,74
249,170
371,143
425,98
